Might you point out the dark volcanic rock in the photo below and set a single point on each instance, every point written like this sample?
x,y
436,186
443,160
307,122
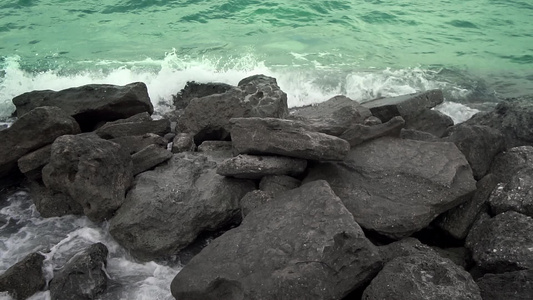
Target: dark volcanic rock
x,y
508,163
405,106
278,183
253,200
480,144
183,142
198,90
256,167
516,195
360,133
503,243
429,120
169,206
132,127
404,247
396,186
148,158
516,285
94,172
83,277
24,278
303,244
256,96
284,137
32,163
424,276
51,203
90,104
136,143
30,132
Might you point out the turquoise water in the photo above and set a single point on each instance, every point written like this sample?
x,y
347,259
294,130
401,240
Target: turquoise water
x,y
477,50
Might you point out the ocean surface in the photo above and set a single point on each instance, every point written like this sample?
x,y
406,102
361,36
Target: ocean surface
x,y
476,51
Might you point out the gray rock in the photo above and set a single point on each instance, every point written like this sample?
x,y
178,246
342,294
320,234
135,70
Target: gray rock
x,y
83,277
508,163
284,137
32,163
458,255
411,134
211,146
516,285
148,158
198,90
502,243
404,247
183,142
424,276
24,136
458,220
90,104
405,106
303,244
516,195
24,278
134,144
480,144
169,206
94,172
253,200
51,203
277,184
429,120
132,127
359,133
256,167
256,96
397,187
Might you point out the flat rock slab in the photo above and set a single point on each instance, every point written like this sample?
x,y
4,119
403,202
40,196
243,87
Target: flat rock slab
x,y
120,128
284,137
512,285
303,244
135,143
256,167
360,133
148,158
168,207
397,187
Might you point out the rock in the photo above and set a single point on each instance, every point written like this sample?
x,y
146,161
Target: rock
x,y
516,195
284,137
169,137
148,158
333,116
422,276
429,120
303,244
256,167
277,184
502,243
94,172
24,278
458,255
134,144
405,106
513,118
256,96
458,220
359,133
170,206
417,135
24,136
508,163
198,90
516,285
253,200
183,142
404,247
397,187
90,104
132,127
32,163
211,146
51,203
83,277
480,144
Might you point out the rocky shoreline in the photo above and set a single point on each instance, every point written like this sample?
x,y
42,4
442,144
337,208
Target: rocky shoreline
x,y
387,199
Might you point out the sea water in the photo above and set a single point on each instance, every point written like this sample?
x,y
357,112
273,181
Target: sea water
x,y
476,51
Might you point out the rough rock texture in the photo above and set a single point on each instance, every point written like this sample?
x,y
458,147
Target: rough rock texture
x,y
284,137
148,158
83,277
183,142
404,247
133,126
502,243
396,186
32,163
508,163
360,133
513,117
278,183
458,220
94,172
51,203
210,146
253,200
516,285
424,276
333,116
429,120
405,106
303,244
24,136
169,206
90,104
256,96
417,135
133,144
24,278
198,90
256,167
480,144
516,195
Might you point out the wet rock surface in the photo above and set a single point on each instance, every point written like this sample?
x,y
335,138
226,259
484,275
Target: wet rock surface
x,y
25,278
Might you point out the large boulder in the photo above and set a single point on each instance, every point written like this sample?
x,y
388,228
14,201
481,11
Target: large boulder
x,y
31,164
256,96
198,90
430,121
30,132
94,172
50,203
256,167
517,285
135,143
515,195
285,137
139,124
509,162
148,158
303,244
90,104
24,278
397,187
278,183
83,276
170,206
